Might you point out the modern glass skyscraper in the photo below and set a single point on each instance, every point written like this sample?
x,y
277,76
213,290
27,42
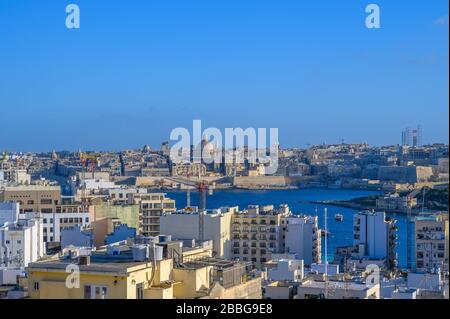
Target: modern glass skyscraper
x,y
412,137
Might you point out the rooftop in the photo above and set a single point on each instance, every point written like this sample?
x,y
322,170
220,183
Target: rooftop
x,y
20,188
111,264
347,285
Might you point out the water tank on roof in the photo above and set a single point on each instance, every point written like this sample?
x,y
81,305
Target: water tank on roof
x,y
147,253
158,253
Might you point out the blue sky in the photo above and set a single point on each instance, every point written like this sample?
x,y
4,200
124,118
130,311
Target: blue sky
x,y
137,69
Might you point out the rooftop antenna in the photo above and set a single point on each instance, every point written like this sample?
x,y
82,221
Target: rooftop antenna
x,y
188,194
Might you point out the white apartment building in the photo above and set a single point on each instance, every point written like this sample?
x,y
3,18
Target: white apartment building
x,y
311,289
54,223
97,184
330,269
431,243
374,237
105,176
15,176
21,242
291,270
9,212
124,195
252,235
217,227
303,238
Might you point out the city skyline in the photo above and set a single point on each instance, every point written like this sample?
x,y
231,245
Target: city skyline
x,y
157,147
131,74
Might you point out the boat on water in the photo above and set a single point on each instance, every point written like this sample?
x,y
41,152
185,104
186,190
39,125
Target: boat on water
x,y
339,217
325,232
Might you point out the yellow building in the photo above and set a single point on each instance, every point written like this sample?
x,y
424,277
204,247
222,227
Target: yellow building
x,y
431,242
97,280
118,274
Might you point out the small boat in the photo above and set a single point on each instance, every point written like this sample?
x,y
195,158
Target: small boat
x,y
325,232
339,217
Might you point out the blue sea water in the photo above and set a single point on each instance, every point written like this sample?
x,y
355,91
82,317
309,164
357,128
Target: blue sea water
x,y
298,201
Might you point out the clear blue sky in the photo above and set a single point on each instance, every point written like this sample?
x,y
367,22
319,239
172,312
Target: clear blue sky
x,y
137,69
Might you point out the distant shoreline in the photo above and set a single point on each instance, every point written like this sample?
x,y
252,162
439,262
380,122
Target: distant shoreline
x,y
287,188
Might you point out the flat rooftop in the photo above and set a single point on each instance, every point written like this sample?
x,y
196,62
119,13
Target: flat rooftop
x,y
335,285
21,188
109,264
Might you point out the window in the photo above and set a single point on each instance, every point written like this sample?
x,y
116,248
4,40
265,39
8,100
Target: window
x,y
19,241
87,292
101,292
95,292
36,286
7,242
139,291
30,202
46,201
87,219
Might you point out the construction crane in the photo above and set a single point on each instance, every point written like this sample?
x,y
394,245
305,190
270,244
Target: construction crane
x,y
202,186
93,160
